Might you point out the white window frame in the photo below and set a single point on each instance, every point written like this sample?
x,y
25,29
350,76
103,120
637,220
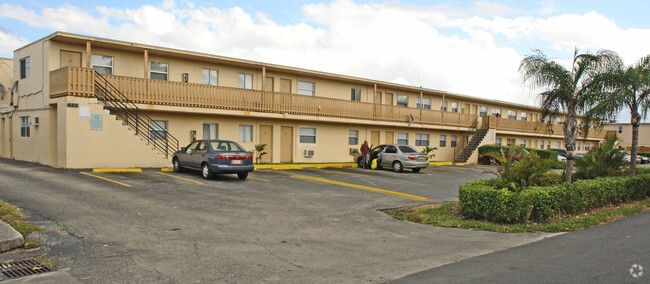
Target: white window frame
x,y
541,144
402,138
496,111
156,127
24,67
453,141
454,107
522,143
245,81
210,80
443,140
306,88
424,104
245,133
620,129
209,129
421,139
25,129
101,67
443,105
510,141
512,114
353,137
558,145
587,147
548,145
524,116
355,94
305,136
559,121
402,100
152,71
483,111
498,141
579,146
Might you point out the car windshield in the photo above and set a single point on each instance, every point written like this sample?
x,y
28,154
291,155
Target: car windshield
x,y
407,149
226,146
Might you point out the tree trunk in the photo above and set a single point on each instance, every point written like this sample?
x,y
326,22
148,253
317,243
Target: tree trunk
x,y
636,118
570,135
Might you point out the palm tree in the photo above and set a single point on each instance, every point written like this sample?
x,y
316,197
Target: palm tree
x,y
624,87
565,91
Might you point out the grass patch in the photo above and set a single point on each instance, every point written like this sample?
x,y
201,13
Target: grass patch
x,y
24,228
12,216
449,215
45,261
9,212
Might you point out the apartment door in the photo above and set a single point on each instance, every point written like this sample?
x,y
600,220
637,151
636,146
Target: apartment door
x,y
475,110
377,99
374,138
266,137
70,58
268,84
388,99
285,86
467,109
286,147
390,136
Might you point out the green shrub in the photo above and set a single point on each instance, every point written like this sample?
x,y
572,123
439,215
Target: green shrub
x,y
605,160
482,200
645,154
489,148
528,170
544,154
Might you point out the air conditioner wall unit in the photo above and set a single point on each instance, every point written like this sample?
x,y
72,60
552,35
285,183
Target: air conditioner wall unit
x,y
309,153
34,120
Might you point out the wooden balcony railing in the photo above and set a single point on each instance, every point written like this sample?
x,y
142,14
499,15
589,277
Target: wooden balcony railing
x,y
535,127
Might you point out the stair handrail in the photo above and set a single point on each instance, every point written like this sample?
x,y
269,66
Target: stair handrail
x,y
465,139
133,116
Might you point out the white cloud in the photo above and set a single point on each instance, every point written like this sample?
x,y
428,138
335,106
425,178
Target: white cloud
x,y
388,41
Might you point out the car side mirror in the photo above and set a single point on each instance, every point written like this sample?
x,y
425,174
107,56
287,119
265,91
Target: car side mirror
x,y
184,149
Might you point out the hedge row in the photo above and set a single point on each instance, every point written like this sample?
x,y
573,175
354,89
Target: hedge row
x,y
544,154
645,154
479,200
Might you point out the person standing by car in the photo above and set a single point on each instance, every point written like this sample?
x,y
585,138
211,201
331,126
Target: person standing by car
x,y
364,151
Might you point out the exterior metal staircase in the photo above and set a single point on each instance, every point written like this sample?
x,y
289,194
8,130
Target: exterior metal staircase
x,y
468,146
134,118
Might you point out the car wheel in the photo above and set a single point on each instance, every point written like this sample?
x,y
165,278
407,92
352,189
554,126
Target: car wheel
x,y
360,162
177,165
416,170
205,171
485,161
397,167
242,176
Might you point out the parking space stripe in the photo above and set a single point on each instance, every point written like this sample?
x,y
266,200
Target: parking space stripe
x,y
179,178
259,179
361,187
106,179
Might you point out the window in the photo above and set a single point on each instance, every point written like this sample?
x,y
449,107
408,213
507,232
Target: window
x,y
24,126
522,142
454,107
443,105
308,135
558,145
402,100
24,68
305,88
579,144
421,139
158,130
483,111
353,137
443,140
245,81
620,129
210,131
496,111
548,145
210,77
402,138
587,146
541,144
425,103
524,116
559,121
512,114
355,94
498,141
245,133
103,64
158,70
510,142
453,141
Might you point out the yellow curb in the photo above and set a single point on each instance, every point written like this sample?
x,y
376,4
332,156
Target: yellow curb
x,y
166,169
302,166
115,170
450,164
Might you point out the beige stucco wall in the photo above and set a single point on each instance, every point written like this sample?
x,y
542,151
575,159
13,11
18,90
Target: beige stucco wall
x,y
625,134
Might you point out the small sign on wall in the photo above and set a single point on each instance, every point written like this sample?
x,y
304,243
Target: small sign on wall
x,y
84,113
97,122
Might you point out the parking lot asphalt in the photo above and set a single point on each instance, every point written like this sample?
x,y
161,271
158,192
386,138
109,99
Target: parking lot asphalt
x,y
311,225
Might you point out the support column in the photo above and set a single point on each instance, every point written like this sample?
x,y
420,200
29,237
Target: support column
x,y
146,64
89,55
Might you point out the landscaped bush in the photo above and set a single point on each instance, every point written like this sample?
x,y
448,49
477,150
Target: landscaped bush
x,y
489,149
481,200
645,154
605,160
544,154
529,170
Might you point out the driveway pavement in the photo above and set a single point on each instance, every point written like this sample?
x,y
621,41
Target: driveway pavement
x,y
278,226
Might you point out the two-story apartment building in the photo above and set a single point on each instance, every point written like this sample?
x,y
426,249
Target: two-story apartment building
x,y
79,101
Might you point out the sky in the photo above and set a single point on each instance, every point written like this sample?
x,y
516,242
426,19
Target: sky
x,y
471,48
